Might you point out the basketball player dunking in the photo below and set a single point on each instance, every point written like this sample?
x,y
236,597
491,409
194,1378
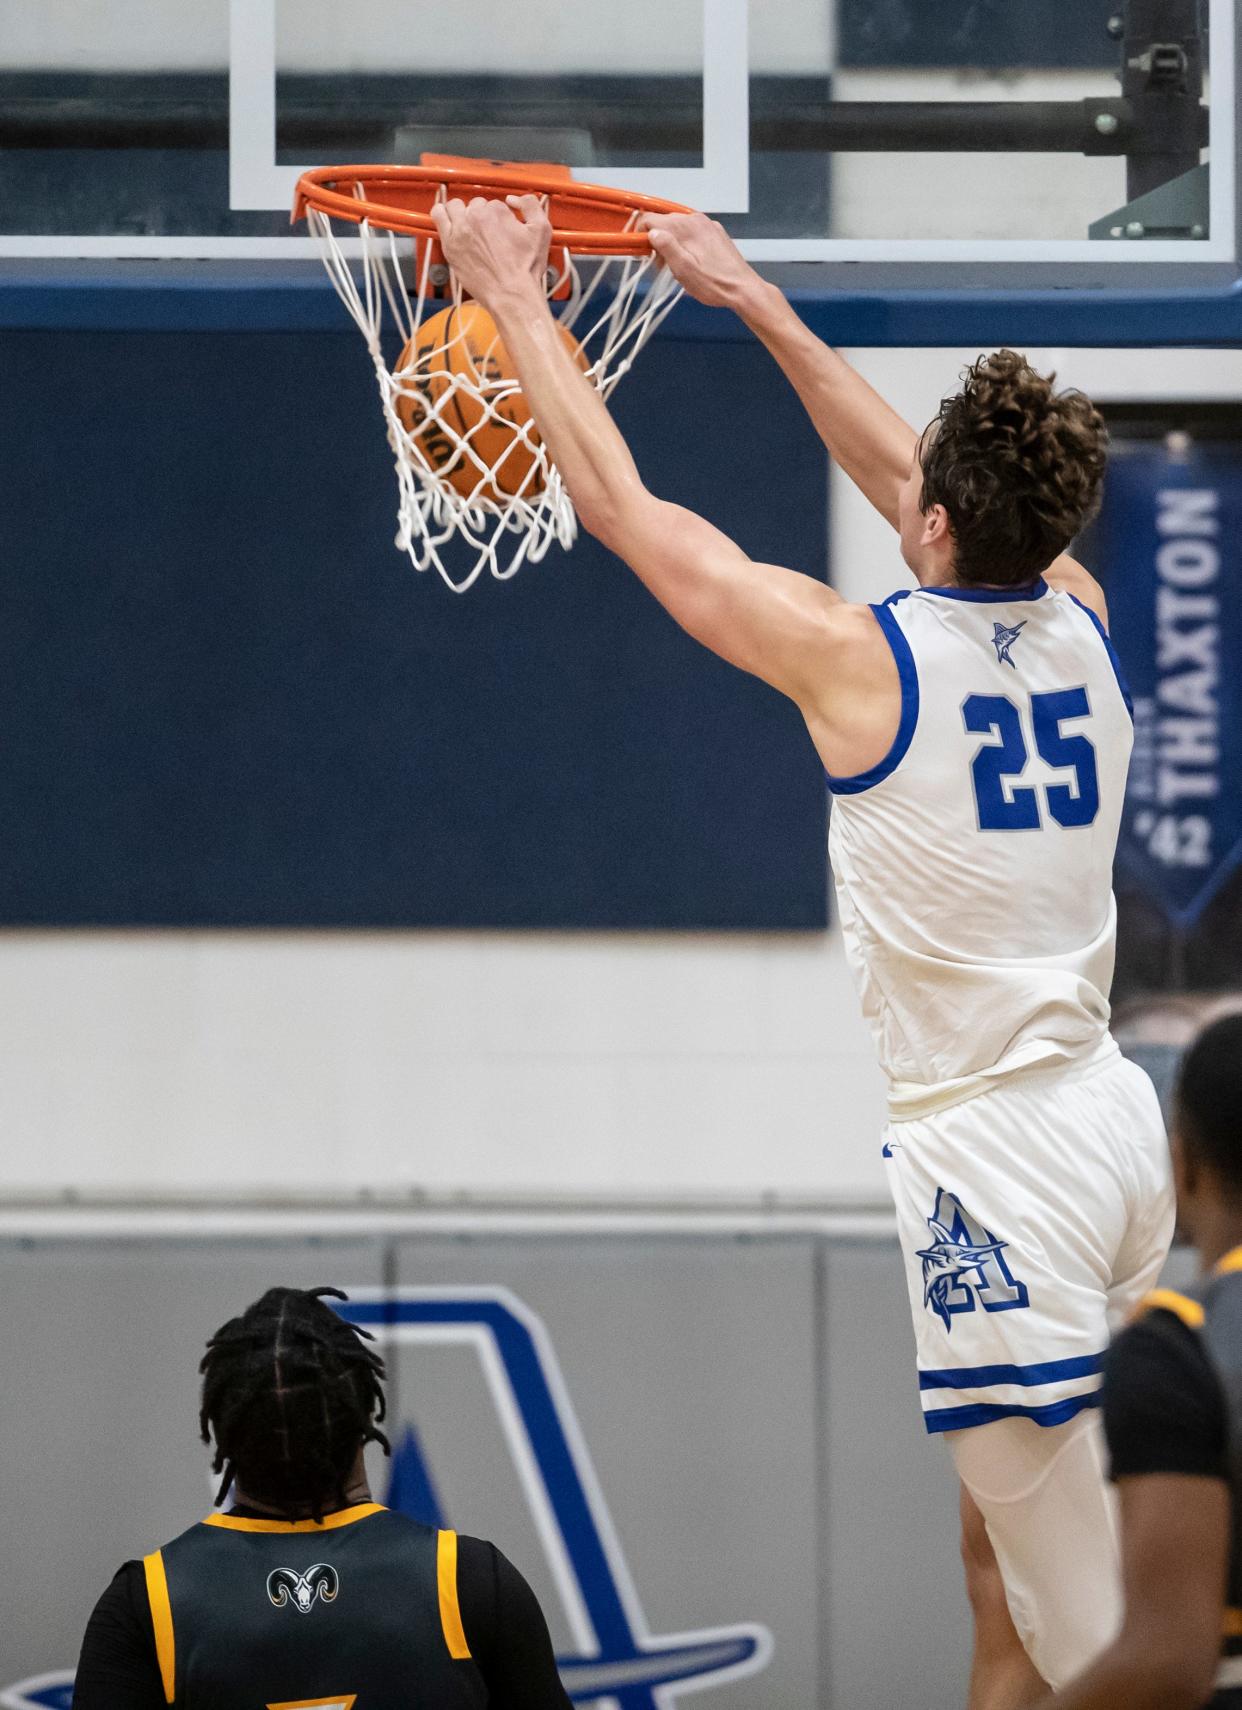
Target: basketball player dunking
x,y
976,736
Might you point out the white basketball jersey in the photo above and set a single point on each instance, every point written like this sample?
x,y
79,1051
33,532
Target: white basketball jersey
x,y
974,864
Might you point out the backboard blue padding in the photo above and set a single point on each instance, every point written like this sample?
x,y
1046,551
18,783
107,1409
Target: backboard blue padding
x,y
262,297
228,701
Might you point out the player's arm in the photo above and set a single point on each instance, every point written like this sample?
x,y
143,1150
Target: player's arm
x,y
865,436
773,622
118,1668
1068,574
1175,1542
506,1631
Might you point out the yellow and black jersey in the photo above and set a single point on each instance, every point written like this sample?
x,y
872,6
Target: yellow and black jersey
x,y
1172,1403
364,1610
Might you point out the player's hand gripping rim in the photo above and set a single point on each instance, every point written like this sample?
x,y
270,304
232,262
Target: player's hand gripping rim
x,y
495,247
702,257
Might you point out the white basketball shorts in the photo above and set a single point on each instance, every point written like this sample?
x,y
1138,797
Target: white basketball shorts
x,y
1033,1218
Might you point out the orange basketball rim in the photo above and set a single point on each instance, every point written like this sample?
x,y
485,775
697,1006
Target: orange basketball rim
x,y
477,486
587,219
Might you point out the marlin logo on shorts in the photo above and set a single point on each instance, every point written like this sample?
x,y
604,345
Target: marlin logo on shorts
x,y
964,1266
1003,639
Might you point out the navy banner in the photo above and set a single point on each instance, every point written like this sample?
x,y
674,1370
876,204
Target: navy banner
x,y
1171,557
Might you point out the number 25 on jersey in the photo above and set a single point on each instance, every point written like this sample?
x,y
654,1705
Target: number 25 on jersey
x,y
1018,808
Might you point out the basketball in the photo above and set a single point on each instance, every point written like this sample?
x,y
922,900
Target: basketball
x,y
457,366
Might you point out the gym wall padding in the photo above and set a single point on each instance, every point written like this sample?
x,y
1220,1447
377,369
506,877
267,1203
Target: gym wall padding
x,y
748,1404
229,701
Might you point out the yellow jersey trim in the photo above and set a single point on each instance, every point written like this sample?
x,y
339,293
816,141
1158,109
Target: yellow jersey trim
x,y
340,1701
1232,1261
329,1523
161,1620
450,1611
1189,1311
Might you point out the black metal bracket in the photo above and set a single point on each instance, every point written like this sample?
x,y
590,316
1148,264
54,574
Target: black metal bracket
x,y
1162,79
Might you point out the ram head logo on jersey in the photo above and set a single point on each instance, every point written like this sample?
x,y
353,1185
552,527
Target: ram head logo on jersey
x,y
1003,639
285,1585
964,1265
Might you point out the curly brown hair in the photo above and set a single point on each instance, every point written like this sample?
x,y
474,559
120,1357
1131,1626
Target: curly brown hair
x,y
1018,467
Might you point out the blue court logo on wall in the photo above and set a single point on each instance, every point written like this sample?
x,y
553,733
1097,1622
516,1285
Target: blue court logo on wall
x,y
40,1692
965,1265
615,1657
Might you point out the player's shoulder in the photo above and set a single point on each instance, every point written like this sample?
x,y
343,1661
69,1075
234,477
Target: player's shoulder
x,y
1157,1356
851,621
1067,576
858,642
1161,1305
1161,1344
1162,1336
1161,1340
488,1585
390,1528
1164,1409
855,623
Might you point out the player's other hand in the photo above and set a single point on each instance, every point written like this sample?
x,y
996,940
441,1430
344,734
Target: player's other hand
x,y
494,247
702,257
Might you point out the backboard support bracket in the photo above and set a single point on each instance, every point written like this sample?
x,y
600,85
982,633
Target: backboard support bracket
x,y
1179,209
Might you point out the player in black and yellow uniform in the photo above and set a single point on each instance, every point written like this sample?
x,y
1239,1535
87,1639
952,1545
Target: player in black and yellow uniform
x,y
307,1592
1173,1418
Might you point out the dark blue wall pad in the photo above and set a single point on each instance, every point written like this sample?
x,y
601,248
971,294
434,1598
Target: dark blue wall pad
x,y
229,701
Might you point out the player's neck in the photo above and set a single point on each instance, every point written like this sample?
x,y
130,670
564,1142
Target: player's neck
x,y
357,1489
935,575
1218,1231
942,576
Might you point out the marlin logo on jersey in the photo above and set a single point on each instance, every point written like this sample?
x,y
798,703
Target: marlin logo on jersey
x,y
964,1266
1003,639
285,1585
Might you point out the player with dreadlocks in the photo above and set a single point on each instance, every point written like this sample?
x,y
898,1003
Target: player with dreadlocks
x,y
292,1393
306,1591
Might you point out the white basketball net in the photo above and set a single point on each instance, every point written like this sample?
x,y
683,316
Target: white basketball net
x,y
612,306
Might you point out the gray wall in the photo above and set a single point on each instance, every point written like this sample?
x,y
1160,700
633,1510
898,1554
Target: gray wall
x,y
748,1403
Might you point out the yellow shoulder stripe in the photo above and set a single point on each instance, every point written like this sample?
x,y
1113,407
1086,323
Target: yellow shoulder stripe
x,y
1232,1261
450,1612
1189,1311
161,1620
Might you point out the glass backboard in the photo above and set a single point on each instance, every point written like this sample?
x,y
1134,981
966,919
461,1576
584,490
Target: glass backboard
x,y
868,150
